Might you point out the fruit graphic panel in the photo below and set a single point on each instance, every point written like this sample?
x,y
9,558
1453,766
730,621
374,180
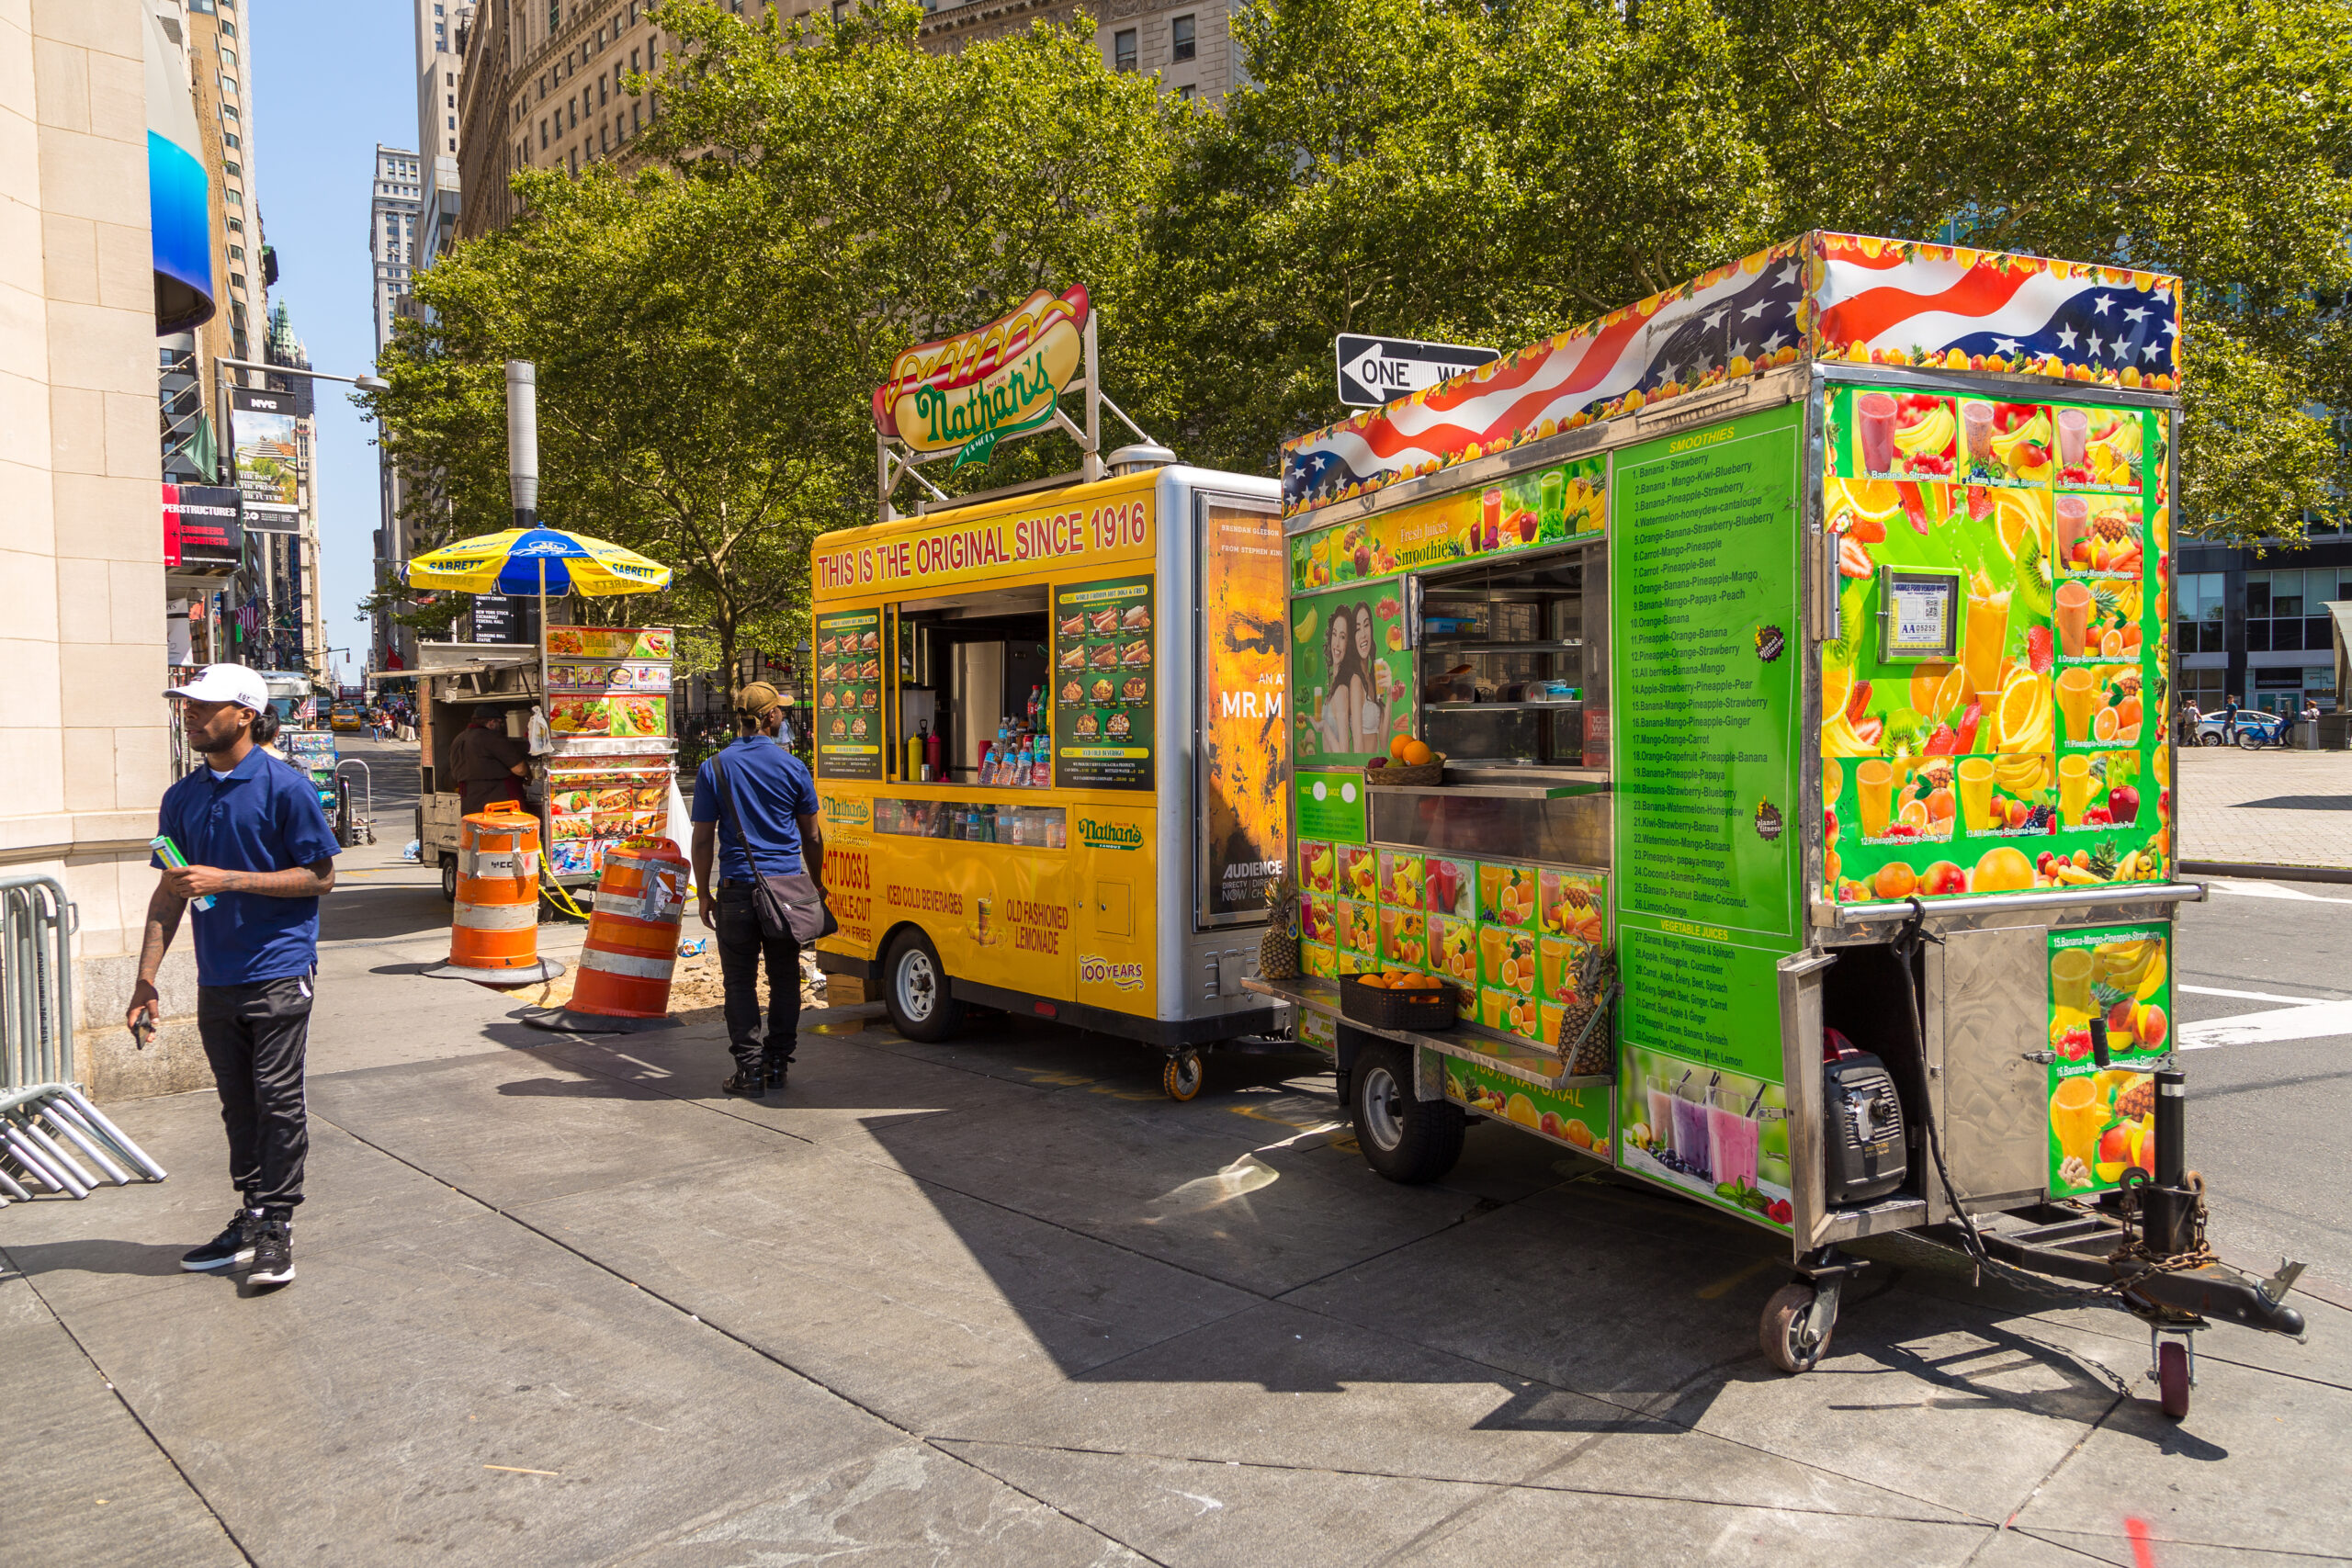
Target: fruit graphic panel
x,y
1318,917
1358,872
1506,1013
1719,1136
1319,866
1359,926
1518,513
1556,959
1453,949
1318,961
1404,937
1359,963
1506,959
2102,1119
1577,1117
1400,879
1999,769
1350,675
1891,434
1449,886
1507,896
1573,904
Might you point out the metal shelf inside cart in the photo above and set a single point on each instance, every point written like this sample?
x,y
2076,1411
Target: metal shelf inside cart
x,y
1524,1063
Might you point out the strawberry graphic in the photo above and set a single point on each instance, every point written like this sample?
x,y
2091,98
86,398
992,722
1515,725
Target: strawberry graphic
x,y
2040,650
1968,723
1943,743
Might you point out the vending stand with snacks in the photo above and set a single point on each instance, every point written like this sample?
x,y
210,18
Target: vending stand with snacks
x,y
1730,741
1051,744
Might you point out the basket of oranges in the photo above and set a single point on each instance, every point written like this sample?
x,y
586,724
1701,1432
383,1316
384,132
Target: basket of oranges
x,y
1409,761
1397,999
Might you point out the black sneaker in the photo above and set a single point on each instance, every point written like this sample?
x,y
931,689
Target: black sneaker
x,y
231,1249
273,1253
750,1082
775,1068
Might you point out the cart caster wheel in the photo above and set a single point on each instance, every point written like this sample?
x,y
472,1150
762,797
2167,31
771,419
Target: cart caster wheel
x,y
1783,1329
1183,1076
448,879
2171,1380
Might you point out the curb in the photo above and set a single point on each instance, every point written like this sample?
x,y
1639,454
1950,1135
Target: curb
x,y
2266,872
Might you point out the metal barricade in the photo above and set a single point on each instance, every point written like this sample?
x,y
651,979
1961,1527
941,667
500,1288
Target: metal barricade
x,y
44,1121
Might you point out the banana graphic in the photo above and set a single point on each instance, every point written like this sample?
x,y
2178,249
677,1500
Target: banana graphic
x,y
2022,776
1840,739
2035,430
1932,434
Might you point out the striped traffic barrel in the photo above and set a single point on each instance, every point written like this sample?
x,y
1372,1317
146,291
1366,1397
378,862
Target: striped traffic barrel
x,y
495,931
633,932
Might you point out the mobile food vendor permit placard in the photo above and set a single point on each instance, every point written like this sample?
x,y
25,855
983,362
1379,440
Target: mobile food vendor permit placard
x,y
1705,622
1105,682
849,695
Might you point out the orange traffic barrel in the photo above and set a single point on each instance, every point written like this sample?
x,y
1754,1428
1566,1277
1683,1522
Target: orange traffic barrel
x,y
624,981
495,931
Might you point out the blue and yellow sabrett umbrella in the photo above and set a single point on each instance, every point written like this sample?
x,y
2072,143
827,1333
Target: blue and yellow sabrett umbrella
x,y
537,561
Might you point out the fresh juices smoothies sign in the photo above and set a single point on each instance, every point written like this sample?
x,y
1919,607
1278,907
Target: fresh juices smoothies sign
x,y
2036,757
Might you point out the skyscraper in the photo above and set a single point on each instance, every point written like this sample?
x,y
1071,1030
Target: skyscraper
x,y
393,211
439,66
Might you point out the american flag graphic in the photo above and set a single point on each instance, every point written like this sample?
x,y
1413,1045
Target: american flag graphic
x,y
1822,296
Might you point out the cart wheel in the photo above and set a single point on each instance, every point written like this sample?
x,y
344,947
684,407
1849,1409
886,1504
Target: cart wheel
x,y
2172,1378
1405,1139
916,991
1783,1329
1182,1076
448,880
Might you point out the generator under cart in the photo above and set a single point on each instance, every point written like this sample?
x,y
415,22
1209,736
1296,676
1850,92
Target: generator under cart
x,y
1730,743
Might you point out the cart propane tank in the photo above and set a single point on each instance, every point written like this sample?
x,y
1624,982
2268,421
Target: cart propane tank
x,y
1862,1133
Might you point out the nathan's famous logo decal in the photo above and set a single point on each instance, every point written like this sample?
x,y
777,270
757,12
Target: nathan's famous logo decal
x,y
847,810
1096,835
1093,971
965,393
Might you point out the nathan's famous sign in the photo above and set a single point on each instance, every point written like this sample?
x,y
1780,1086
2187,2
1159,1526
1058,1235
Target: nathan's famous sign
x,y
965,393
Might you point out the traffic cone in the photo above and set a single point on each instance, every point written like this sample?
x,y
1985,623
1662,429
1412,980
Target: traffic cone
x,y
495,931
632,947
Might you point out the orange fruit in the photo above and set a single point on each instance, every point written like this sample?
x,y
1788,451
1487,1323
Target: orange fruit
x,y
2111,643
1895,880
2002,870
1415,754
1396,744
1938,689
2104,724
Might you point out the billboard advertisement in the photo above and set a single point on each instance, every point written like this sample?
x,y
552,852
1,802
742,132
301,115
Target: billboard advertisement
x,y
1245,753
268,460
201,527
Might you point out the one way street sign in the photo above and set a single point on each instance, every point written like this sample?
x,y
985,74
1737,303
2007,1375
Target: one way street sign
x,y
1376,370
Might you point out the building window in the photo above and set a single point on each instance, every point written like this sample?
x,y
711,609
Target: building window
x,y
543,136
228,55
1180,38
236,252
2281,605
229,85
2206,688
236,197
841,10
2196,613
233,169
601,84
635,118
632,65
228,140
1123,50
1186,92
453,125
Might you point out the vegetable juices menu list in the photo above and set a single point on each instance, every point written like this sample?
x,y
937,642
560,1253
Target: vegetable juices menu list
x,y
1102,681
849,695
1706,633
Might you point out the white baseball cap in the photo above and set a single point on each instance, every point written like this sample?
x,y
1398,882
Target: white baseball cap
x,y
226,684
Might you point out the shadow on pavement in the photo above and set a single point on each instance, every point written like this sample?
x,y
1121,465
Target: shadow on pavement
x,y
98,1256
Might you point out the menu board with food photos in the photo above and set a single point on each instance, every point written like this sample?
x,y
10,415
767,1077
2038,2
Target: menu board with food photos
x,y
609,681
613,644
849,695
1103,676
597,801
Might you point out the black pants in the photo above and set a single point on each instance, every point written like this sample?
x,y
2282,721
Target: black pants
x,y
255,1037
740,947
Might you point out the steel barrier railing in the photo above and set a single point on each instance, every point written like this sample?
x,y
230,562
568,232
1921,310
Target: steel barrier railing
x,y
44,1120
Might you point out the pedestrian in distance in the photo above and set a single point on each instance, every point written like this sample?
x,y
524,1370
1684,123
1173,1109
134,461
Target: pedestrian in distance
x,y
2186,724
256,844
2229,717
485,761
755,813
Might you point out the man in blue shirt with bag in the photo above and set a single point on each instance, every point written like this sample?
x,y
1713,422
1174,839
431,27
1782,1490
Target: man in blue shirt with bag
x,y
756,806
258,852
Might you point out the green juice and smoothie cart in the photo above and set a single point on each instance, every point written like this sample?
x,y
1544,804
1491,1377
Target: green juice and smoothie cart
x,y
1750,706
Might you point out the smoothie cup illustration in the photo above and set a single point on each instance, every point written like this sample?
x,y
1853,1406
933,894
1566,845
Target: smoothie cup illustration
x,y
1490,517
2072,515
1554,485
2076,1115
1873,790
1832,783
2074,789
1491,948
1976,421
1731,1140
1874,422
1690,1130
2078,696
2070,979
1988,634
1661,1098
2075,604
2073,437
1975,776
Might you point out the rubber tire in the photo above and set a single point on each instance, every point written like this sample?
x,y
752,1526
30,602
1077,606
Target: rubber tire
x,y
1183,1076
2211,737
2252,739
1427,1134
2172,1378
1784,1317
945,1019
448,879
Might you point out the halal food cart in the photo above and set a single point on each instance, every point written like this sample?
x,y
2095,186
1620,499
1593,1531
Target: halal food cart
x,y
1051,745
1750,707
606,771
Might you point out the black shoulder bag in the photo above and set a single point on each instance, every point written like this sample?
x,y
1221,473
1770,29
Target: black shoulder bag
x,y
791,904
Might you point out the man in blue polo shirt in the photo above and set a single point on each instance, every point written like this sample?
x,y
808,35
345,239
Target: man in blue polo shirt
x,y
755,790
259,849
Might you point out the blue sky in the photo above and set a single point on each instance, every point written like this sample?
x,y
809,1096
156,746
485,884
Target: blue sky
x,y
330,80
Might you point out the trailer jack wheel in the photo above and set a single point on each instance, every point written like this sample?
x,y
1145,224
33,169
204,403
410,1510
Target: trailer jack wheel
x,y
1182,1076
2175,1371
1795,1329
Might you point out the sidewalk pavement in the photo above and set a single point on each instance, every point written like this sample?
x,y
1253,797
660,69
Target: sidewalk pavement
x,y
2264,807
1000,1301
